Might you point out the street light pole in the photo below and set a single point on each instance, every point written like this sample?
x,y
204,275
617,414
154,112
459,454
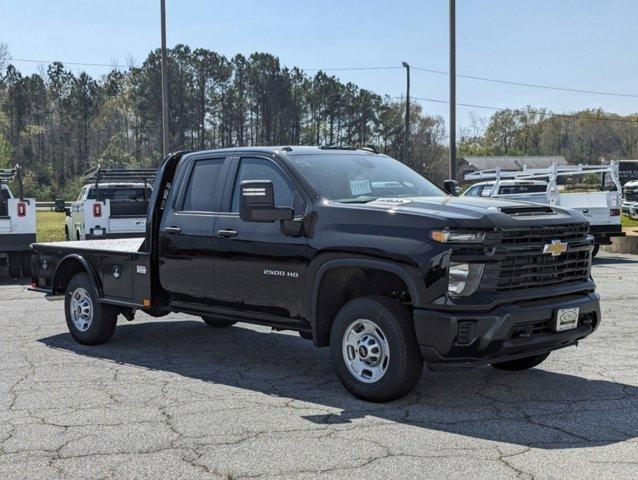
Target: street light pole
x,y
453,89
165,146
406,141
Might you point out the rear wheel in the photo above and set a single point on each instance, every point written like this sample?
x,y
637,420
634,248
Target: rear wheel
x,y
26,264
89,322
374,349
218,322
522,363
14,264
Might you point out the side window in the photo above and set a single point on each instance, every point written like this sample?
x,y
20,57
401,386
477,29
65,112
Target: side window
x,y
199,193
473,191
262,169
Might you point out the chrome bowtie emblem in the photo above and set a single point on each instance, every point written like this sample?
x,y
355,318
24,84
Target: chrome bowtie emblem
x,y
555,248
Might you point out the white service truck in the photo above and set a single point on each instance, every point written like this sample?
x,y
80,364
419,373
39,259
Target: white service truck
x,y
17,225
112,205
630,199
540,185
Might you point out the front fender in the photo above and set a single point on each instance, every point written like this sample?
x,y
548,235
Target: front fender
x,y
410,274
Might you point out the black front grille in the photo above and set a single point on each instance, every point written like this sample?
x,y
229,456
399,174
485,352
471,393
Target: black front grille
x,y
631,194
542,235
519,263
531,271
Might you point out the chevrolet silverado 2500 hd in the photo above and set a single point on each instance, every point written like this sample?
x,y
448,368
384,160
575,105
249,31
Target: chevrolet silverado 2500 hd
x,y
350,248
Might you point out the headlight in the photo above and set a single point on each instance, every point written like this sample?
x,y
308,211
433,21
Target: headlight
x,y
464,278
450,236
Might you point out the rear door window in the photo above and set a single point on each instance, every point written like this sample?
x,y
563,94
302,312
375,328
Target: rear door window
x,y
201,186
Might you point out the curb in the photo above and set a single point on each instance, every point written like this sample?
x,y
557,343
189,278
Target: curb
x,y
627,244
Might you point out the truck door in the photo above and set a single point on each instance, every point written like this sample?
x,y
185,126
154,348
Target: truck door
x,y
258,267
186,235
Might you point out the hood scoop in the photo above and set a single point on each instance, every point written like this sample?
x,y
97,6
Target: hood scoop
x,y
528,211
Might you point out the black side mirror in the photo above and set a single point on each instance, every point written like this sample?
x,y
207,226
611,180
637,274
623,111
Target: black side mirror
x,y
451,187
67,211
257,203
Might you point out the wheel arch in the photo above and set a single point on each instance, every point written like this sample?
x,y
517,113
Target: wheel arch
x,y
408,275
70,266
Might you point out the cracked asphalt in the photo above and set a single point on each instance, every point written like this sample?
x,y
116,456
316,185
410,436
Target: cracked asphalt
x,y
173,398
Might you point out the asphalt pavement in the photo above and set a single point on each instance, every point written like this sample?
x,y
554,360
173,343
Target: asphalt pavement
x,y
172,398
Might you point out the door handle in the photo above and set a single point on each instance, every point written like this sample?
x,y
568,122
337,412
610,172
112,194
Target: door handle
x,y
173,230
226,233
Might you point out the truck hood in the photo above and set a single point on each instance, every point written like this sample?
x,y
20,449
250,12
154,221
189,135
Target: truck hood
x,y
472,212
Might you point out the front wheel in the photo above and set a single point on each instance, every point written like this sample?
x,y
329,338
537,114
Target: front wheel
x,y
218,322
522,363
374,349
89,322
595,251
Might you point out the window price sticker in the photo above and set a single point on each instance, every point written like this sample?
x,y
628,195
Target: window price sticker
x,y
360,187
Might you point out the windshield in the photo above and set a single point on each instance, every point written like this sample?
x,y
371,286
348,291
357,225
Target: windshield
x,y
121,194
352,178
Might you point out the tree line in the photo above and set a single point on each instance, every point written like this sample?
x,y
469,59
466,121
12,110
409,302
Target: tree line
x,y
57,124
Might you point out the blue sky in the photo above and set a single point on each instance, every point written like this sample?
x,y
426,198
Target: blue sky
x,y
583,44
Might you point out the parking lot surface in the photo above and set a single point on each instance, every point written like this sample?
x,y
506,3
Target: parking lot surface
x,y
173,398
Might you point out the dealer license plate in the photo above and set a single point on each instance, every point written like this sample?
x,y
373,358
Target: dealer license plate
x,y
566,319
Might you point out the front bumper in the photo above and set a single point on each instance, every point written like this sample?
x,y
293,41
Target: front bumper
x,y
466,339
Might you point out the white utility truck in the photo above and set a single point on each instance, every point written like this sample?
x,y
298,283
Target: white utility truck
x,y
112,205
540,185
630,199
17,224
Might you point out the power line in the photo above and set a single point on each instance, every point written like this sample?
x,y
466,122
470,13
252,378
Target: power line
x,y
429,70
533,85
518,110
347,68
81,64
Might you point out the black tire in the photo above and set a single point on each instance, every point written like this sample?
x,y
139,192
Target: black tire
x,y
103,318
404,365
26,264
218,322
595,251
522,363
14,264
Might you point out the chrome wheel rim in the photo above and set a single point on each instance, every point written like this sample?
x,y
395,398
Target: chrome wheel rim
x,y
366,351
81,309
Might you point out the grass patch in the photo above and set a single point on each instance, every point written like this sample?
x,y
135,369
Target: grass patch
x,y
628,222
50,226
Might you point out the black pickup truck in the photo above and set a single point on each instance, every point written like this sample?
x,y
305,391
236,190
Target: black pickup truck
x,y
352,249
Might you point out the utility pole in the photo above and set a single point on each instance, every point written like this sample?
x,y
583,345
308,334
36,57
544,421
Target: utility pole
x,y
406,141
165,146
453,89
